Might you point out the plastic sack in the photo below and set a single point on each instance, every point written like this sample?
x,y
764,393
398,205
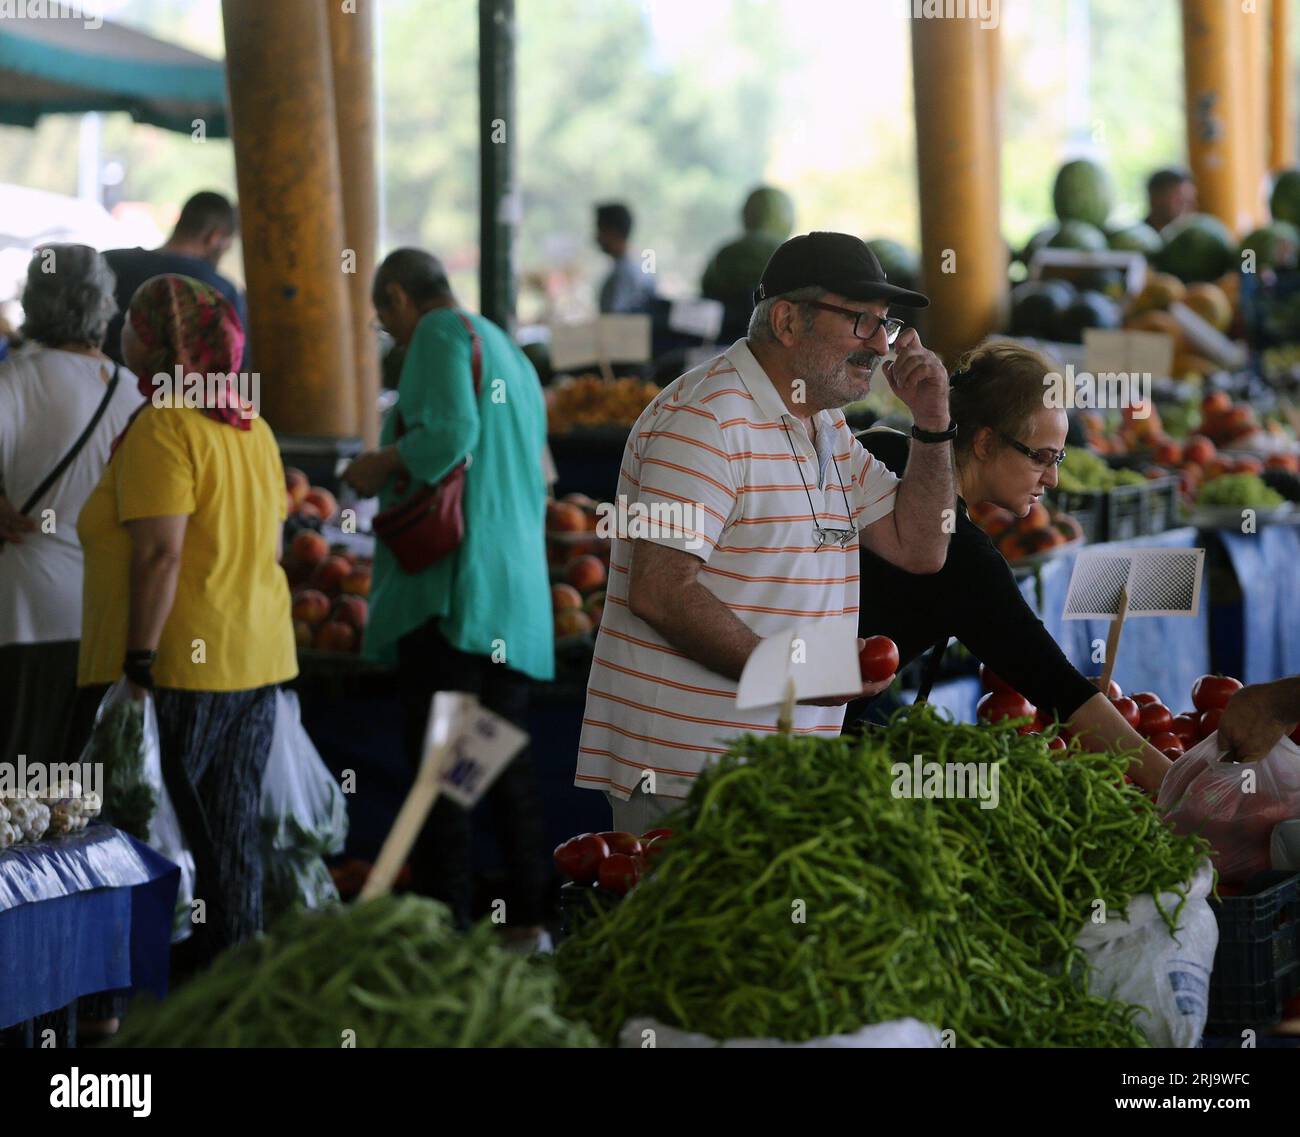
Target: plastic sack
x,y
125,740
899,1034
1233,805
1137,960
304,816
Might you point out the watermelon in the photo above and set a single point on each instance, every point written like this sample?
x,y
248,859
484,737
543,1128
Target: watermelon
x,y
1090,310
1197,247
1139,238
1275,245
1285,201
769,210
902,265
1079,235
1083,192
1037,307
1038,241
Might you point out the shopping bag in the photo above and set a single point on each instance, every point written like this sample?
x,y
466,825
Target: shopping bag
x,y
1234,805
124,742
1136,959
304,816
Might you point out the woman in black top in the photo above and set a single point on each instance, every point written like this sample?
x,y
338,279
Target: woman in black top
x,y
1007,448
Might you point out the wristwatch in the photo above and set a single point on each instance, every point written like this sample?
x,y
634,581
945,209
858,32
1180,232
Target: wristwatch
x,y
935,435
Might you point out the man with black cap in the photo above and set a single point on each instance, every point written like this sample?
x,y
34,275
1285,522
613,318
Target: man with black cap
x,y
774,495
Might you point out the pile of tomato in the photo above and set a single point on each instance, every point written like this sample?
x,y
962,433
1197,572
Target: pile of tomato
x,y
612,861
1172,734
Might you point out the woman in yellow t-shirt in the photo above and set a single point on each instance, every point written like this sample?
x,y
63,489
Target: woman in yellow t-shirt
x,y
183,594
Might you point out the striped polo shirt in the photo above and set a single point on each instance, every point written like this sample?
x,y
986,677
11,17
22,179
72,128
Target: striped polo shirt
x,y
719,452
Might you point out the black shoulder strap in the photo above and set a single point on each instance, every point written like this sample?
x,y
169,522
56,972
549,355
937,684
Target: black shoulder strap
x,y
66,460
930,672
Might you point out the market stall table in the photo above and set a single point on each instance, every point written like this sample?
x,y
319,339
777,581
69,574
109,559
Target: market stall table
x,y
82,914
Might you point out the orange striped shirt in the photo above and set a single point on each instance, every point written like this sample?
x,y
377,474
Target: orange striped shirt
x,y
714,445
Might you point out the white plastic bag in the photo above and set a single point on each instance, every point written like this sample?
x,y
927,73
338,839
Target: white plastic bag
x,y
304,816
899,1034
1234,805
144,776
1138,961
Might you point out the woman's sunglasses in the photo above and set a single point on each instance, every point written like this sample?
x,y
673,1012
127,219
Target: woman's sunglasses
x,y
1044,457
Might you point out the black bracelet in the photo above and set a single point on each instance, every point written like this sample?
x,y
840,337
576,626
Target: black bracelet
x,y
138,667
935,435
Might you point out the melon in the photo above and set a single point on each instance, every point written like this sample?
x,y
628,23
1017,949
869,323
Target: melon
x,y
1083,192
1285,199
1154,320
1081,235
1208,301
1197,247
769,210
1275,245
1037,307
1139,238
1090,310
1160,290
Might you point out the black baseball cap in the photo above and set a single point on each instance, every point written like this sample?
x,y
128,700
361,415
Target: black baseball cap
x,y
837,262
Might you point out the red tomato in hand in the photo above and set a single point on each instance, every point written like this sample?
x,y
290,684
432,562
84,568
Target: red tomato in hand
x,y
1142,698
878,659
1168,743
1154,718
580,858
627,843
1210,722
618,873
1130,710
999,705
1211,692
1187,727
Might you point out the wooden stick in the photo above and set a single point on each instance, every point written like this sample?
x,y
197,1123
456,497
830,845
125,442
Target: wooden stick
x,y
406,828
785,720
1112,640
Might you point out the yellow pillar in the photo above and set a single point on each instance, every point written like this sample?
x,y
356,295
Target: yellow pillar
x,y
291,216
1254,112
964,262
352,45
1281,124
1212,62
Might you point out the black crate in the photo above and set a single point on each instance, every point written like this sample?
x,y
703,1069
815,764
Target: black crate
x,y
1257,965
1087,508
1141,510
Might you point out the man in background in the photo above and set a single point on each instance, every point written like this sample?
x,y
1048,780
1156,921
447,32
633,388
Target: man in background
x,y
1170,193
628,287
203,234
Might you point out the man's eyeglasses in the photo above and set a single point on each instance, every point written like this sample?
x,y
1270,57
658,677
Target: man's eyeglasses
x,y
1044,457
867,320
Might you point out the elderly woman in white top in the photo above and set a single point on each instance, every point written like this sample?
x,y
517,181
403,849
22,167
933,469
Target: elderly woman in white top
x,y
51,391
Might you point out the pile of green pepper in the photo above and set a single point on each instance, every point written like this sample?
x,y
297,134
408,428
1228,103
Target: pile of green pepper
x,y
387,972
800,898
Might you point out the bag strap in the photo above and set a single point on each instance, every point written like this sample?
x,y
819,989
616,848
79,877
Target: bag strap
x,y
67,459
930,672
475,366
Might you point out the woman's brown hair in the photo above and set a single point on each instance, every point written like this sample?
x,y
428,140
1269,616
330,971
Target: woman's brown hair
x,y
999,384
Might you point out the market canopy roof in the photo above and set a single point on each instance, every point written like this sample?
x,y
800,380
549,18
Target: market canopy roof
x,y
62,66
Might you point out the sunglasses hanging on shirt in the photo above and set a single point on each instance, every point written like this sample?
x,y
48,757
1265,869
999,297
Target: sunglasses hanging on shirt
x,y
823,535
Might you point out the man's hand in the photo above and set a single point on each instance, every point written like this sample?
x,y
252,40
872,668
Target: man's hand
x,y
12,523
1255,720
370,471
918,377
868,690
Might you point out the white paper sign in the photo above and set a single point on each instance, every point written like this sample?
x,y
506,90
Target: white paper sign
x,y
1135,353
621,339
1160,582
484,747
701,318
821,658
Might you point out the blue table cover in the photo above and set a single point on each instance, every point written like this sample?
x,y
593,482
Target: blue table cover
x,y
1267,564
81,914
1164,654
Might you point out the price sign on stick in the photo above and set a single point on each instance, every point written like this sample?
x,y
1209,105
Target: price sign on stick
x,y
465,747
1118,584
602,341
811,661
